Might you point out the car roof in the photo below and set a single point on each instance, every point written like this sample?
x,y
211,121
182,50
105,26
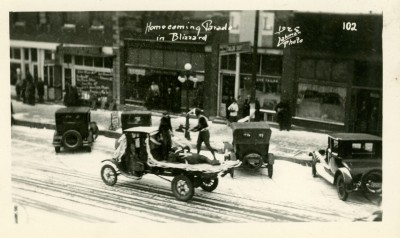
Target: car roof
x,y
136,112
355,137
73,110
143,129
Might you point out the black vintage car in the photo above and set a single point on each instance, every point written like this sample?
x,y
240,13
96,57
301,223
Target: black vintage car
x,y
352,161
73,129
251,145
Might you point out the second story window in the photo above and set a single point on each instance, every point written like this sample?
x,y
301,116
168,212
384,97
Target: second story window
x,y
96,21
68,21
42,18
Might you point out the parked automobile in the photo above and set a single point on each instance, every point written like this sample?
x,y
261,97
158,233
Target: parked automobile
x,y
73,129
251,145
352,162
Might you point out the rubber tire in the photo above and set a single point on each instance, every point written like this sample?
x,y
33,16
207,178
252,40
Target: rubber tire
x,y
270,170
77,136
364,181
57,149
111,177
341,190
206,186
248,165
176,185
313,170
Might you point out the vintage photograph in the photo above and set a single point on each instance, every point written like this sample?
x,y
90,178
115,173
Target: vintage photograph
x,y
200,116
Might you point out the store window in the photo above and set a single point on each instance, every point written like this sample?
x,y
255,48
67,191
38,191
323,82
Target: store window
x,y
48,55
26,54
15,53
88,61
68,76
322,103
271,65
98,62
34,55
67,59
78,60
268,90
108,62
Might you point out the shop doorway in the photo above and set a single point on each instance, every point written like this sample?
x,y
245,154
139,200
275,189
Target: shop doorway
x,y
13,72
227,94
366,111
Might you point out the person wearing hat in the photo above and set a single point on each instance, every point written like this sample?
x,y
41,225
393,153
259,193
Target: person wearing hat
x,y
165,130
204,134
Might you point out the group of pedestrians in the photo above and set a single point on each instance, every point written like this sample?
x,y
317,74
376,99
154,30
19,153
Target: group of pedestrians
x,y
238,109
27,88
170,100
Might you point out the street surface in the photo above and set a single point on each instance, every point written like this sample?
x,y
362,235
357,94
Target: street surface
x,y
68,186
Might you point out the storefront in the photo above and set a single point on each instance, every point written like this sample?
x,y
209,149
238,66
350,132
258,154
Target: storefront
x,y
333,80
235,77
160,64
37,58
90,70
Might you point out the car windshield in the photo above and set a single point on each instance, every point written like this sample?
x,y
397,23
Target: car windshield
x,y
362,149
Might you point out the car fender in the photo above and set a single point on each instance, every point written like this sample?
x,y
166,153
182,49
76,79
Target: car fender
x,y
347,178
111,162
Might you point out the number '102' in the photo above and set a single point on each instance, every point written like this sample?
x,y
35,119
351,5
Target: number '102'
x,y
350,26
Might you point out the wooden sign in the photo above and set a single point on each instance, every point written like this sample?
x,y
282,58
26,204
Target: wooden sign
x,y
114,121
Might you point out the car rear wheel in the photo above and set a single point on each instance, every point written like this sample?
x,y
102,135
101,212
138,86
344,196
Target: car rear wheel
x,y
182,188
72,139
371,182
341,188
109,175
209,185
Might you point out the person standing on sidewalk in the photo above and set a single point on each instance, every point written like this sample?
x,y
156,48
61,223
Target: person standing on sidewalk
x,y
233,111
40,89
204,134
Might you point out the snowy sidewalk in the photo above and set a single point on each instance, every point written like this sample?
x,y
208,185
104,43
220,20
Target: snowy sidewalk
x,y
291,145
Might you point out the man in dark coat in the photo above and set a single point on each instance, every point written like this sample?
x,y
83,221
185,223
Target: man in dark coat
x,y
283,116
165,130
40,90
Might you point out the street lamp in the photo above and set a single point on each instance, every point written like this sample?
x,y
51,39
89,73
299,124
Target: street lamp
x,y
187,75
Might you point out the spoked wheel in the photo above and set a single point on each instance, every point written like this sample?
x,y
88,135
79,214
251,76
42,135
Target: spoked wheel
x,y
182,188
270,170
253,161
341,188
209,185
109,175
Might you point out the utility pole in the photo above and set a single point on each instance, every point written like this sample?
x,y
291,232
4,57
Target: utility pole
x,y
254,69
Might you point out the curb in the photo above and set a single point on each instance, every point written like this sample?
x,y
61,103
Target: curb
x,y
115,135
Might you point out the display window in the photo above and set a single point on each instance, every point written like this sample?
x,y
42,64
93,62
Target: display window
x,y
322,103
